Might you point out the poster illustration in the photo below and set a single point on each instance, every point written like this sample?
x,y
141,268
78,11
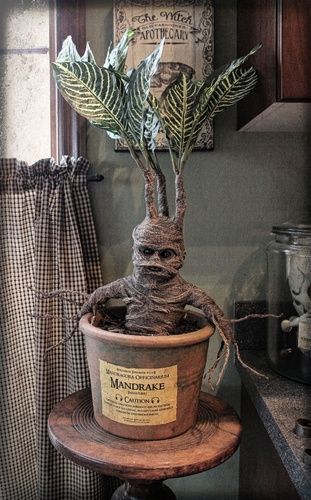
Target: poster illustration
x,y
188,29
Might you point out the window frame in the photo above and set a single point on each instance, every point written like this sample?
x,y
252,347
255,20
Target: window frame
x,y
68,129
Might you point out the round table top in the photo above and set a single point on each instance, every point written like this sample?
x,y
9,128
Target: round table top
x,y
75,433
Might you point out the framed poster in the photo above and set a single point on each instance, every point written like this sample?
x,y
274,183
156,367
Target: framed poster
x,y
188,29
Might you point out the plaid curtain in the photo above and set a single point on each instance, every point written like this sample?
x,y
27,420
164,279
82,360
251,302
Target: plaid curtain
x,y
47,242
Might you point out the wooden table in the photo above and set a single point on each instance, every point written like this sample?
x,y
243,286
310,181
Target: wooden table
x,y
144,464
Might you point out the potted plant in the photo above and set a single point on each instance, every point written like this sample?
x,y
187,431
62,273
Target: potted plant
x,y
138,380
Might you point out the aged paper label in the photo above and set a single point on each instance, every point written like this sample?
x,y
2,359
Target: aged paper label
x,y
139,396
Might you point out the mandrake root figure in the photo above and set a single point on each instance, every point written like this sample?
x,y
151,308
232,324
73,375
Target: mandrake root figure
x,y
120,102
155,294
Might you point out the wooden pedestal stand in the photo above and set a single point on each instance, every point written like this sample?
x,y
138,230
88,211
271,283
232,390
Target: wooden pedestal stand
x,y
144,464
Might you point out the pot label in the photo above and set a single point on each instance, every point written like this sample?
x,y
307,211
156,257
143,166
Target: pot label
x,y
139,396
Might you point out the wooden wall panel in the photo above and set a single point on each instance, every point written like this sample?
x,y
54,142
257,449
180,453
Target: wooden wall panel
x,y
294,46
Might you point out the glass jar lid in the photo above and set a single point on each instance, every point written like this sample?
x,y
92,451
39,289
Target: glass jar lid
x,y
292,229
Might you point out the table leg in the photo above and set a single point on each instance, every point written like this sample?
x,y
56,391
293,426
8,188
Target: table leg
x,y
143,490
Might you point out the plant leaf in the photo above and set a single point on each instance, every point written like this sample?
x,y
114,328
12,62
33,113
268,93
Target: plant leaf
x,y
230,90
225,92
68,52
116,58
94,93
138,91
113,136
226,69
177,111
221,89
151,128
88,55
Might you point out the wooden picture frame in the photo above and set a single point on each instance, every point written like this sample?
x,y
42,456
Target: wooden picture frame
x,y
188,27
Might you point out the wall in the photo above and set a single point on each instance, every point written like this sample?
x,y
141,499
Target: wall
x,y
235,194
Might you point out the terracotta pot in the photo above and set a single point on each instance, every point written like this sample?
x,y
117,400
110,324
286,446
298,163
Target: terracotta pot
x,y
146,387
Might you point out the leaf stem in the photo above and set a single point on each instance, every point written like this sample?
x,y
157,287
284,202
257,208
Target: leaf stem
x,y
163,206
153,103
149,176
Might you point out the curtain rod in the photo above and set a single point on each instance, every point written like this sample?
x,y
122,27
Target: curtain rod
x,y
95,178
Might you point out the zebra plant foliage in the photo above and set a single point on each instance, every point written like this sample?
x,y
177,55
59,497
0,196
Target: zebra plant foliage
x,y
138,92
94,93
177,109
106,96
116,58
186,105
122,103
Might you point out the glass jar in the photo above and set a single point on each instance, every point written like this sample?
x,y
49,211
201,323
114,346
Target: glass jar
x,y
289,295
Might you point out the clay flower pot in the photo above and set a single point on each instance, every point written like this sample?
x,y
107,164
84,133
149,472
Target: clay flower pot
x,y
146,387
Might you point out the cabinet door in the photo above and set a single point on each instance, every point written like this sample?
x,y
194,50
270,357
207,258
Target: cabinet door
x,y
282,99
257,23
294,50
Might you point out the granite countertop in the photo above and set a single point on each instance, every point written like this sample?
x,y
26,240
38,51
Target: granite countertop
x,y
279,403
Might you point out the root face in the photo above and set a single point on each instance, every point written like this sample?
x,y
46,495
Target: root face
x,y
158,244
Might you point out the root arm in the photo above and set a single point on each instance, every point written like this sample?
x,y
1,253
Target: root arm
x,y
98,297
207,305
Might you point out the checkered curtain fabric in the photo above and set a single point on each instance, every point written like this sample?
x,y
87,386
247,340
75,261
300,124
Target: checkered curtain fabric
x,y
47,242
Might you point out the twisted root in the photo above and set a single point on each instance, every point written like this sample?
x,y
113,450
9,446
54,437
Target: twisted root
x,y
61,294
63,340
226,333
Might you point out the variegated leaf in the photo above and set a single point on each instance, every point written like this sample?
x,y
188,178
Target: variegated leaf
x,y
69,53
225,92
88,55
226,69
151,129
94,93
230,90
220,90
138,91
177,111
116,58
113,136
237,63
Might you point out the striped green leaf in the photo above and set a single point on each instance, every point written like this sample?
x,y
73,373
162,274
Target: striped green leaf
x,y
116,57
227,69
93,92
138,92
220,90
177,111
151,129
225,92
231,89
69,53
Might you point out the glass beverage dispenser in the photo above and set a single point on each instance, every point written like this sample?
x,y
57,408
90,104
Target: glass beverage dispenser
x,y
289,294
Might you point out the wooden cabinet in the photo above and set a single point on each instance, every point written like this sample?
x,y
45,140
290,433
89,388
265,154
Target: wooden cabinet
x,y
282,99
294,18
